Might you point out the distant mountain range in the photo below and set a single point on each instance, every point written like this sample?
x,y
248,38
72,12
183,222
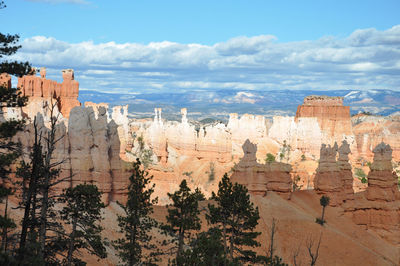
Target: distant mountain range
x,y
218,104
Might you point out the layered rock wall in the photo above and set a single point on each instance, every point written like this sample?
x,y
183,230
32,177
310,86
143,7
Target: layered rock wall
x,y
333,118
378,208
333,176
42,92
369,131
261,178
90,149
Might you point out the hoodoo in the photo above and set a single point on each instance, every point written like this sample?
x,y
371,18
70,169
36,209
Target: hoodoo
x,y
261,178
42,91
378,207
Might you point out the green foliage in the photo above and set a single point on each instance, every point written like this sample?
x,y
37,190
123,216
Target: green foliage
x,y
136,223
39,177
398,178
183,218
284,151
142,153
270,158
361,175
206,249
296,183
9,46
303,157
324,201
82,211
236,217
274,261
188,174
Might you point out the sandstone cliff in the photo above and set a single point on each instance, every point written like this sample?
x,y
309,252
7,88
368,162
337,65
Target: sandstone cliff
x,y
371,130
333,176
90,149
42,92
320,120
261,178
378,208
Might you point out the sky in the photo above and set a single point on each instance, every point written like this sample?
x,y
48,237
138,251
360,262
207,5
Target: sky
x,y
162,46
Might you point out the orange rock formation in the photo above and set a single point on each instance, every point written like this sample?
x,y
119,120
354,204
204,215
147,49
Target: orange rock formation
x,y
333,118
40,88
378,207
334,178
369,131
261,178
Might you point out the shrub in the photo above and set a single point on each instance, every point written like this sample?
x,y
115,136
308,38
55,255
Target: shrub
x,y
360,174
270,158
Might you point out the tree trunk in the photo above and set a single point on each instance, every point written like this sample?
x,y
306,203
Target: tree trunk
x,y
43,219
180,246
71,242
46,186
224,235
231,248
4,237
132,259
27,210
30,194
323,213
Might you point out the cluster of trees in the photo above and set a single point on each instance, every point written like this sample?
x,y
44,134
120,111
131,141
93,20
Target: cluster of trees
x,y
41,238
229,239
55,226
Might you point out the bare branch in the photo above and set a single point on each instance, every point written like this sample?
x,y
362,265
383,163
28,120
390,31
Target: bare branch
x,y
313,255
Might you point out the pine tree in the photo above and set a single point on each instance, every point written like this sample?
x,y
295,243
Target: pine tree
x,y
136,223
9,150
324,201
6,223
9,46
207,249
183,218
236,217
39,177
83,213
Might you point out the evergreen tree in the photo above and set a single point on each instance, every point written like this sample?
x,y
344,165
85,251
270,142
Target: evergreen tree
x,y
236,217
324,201
83,213
207,249
6,223
9,46
39,177
9,150
136,224
183,218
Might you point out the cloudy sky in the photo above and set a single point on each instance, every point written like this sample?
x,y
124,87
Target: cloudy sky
x,y
150,46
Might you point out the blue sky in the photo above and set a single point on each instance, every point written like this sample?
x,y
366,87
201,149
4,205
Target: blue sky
x,y
183,45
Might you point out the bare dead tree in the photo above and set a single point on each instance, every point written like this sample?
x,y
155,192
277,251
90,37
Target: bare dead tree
x,y
296,252
313,254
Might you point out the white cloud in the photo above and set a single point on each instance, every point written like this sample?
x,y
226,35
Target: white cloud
x,y
367,59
